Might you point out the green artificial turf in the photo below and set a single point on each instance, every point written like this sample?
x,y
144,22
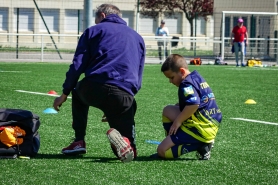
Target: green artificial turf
x,y
244,152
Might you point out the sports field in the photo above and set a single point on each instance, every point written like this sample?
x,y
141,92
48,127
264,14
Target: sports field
x,y
245,151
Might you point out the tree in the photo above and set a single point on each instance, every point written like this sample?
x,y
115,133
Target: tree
x,y
191,9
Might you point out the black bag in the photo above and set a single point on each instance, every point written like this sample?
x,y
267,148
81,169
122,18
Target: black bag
x,y
27,121
175,43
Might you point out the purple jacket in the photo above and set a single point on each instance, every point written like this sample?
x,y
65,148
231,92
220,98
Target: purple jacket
x,y
108,53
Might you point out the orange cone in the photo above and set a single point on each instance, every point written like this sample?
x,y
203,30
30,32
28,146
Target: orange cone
x,y
52,92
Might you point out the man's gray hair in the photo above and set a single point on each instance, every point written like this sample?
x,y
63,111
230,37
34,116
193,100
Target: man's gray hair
x,y
108,9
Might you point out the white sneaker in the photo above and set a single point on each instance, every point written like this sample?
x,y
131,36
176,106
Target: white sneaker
x,y
121,144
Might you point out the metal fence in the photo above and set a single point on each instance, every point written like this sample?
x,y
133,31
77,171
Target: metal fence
x,y
57,47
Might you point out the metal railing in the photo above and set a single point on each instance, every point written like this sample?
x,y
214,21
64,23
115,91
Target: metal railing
x,y
39,47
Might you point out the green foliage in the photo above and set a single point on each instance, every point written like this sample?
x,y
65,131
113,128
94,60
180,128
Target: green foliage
x,y
244,152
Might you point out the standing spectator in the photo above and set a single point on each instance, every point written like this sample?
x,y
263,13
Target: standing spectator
x,y
239,33
112,56
162,31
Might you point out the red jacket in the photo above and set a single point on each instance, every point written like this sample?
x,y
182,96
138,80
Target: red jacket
x,y
239,33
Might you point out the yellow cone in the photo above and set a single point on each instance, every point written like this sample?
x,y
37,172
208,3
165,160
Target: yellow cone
x,y
250,101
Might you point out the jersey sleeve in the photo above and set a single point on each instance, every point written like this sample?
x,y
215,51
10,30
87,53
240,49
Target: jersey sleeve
x,y
189,95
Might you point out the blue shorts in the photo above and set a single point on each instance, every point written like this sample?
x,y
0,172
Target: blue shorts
x,y
182,137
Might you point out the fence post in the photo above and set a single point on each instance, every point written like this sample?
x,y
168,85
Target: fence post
x,y
275,46
164,48
196,16
78,23
223,36
268,45
17,28
170,49
251,35
41,48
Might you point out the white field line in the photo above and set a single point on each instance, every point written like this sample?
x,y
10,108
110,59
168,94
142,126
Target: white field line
x,y
15,71
256,121
30,92
256,68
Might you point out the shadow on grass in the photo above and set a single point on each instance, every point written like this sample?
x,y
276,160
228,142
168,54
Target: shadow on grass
x,y
60,156
138,159
105,159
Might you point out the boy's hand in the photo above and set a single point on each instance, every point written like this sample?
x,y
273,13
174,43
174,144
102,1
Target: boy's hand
x,y
175,126
184,115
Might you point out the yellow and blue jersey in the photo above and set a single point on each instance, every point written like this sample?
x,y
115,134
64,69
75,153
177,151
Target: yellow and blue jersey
x,y
203,124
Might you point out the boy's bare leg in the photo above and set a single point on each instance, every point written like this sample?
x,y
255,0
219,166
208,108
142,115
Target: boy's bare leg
x,y
171,112
166,144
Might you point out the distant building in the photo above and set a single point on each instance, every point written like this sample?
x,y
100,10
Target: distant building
x,y
65,17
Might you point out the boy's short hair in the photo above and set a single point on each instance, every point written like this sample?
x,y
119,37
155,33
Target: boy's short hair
x,y
108,9
174,62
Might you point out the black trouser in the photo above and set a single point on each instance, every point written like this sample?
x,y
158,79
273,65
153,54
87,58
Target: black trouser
x,y
118,106
160,47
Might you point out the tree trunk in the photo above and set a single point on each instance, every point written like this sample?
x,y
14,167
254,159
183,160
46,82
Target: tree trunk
x,y
191,33
190,20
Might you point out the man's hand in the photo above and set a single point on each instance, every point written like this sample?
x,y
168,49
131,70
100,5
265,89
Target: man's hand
x,y
104,119
59,101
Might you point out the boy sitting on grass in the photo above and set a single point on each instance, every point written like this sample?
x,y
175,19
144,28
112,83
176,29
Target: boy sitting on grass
x,y
192,124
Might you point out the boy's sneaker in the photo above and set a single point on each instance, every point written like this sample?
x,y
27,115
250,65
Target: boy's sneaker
x,y
121,144
242,65
237,65
75,148
203,153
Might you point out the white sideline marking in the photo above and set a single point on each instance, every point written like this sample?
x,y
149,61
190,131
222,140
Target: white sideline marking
x,y
15,71
258,68
30,92
256,121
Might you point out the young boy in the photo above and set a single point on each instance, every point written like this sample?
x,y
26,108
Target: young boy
x,y
192,124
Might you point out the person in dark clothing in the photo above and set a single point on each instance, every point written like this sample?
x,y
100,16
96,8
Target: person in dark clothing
x,y
112,56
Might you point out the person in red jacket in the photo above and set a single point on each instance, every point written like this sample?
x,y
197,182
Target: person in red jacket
x,y
239,43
